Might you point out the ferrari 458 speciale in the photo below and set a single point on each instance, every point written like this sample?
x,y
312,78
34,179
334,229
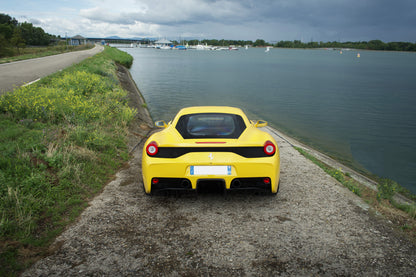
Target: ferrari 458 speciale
x,y
211,144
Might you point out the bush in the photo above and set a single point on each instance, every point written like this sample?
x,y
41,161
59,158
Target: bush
x,y
83,83
76,97
386,189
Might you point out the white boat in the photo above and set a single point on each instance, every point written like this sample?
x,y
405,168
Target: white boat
x,y
203,47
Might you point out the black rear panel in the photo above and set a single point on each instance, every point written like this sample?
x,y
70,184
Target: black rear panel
x,y
175,152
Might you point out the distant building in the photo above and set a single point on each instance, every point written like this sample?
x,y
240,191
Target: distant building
x,y
163,42
78,40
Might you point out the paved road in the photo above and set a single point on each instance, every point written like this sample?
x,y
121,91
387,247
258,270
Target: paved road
x,y
18,73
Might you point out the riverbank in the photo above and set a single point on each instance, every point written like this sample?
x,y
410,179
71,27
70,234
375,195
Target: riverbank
x,y
379,197
348,171
62,140
313,227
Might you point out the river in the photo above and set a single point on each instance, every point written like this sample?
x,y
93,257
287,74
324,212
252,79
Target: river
x,y
360,110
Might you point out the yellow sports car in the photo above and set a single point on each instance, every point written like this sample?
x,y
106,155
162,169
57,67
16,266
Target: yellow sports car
x,y
204,145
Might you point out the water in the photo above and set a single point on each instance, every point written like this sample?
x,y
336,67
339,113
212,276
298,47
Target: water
x,y
360,110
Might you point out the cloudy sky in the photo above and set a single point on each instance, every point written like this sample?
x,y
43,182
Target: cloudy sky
x,y
271,20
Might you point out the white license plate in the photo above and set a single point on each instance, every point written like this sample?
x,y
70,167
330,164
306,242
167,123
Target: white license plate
x,y
211,170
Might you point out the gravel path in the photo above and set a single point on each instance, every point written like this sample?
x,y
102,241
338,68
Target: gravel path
x,y
314,226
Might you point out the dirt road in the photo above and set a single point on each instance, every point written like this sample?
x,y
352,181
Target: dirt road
x,y
314,226
18,73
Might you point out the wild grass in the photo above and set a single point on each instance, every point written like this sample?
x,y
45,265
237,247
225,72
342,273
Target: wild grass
x,y
61,141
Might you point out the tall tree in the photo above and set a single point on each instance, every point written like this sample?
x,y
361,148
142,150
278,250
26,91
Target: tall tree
x,y
17,39
260,42
6,19
6,30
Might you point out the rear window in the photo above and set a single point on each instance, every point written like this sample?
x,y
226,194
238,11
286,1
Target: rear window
x,y
210,125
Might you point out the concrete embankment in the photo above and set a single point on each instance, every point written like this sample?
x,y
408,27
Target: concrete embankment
x,y
358,177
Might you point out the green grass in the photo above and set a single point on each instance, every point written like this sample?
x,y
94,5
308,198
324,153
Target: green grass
x,y
119,57
382,199
387,189
344,179
61,141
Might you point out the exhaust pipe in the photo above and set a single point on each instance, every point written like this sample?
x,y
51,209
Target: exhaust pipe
x,y
236,183
185,184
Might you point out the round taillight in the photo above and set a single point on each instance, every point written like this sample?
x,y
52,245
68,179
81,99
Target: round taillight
x,y
269,148
266,180
152,148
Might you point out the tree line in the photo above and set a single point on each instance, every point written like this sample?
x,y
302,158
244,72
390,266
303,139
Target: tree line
x,y
15,35
368,45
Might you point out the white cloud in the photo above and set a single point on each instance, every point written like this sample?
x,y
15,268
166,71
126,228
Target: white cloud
x,y
166,12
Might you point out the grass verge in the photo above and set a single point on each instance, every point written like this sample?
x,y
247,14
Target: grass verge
x,y
382,200
37,52
62,140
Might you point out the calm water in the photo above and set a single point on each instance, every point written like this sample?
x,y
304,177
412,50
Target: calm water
x,y
361,110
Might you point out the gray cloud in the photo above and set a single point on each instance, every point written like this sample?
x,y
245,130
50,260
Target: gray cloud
x,y
272,20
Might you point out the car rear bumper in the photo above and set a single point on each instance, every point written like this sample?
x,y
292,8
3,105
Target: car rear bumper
x,y
243,173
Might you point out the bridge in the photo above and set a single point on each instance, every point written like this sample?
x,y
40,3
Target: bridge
x,y
77,40
118,40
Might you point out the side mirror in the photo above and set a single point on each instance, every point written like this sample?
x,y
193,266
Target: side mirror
x,y
260,123
161,124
